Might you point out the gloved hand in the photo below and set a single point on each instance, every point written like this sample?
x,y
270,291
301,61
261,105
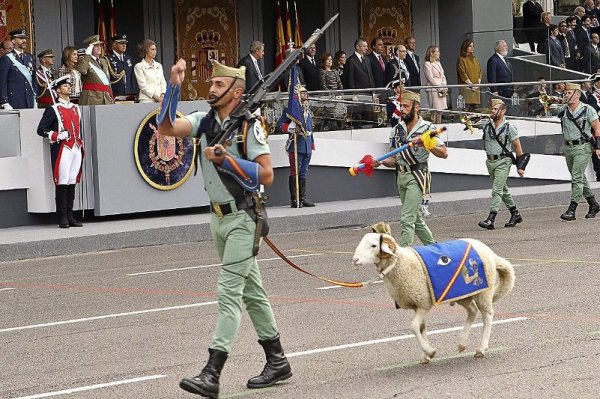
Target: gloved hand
x,y
62,135
7,107
89,49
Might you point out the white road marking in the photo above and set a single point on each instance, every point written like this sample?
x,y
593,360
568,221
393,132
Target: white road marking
x,y
331,287
92,387
108,316
7,289
214,265
392,339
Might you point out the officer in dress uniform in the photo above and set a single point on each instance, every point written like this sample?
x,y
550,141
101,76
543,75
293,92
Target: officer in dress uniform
x,y
232,176
95,74
581,132
18,88
125,85
304,148
61,125
413,178
500,136
44,75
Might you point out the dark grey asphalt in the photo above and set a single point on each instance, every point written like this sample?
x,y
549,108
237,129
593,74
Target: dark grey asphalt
x,y
549,348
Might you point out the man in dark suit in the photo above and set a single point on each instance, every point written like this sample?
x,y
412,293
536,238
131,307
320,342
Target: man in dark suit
x,y
587,96
377,62
568,43
412,62
310,70
396,69
357,71
254,72
532,12
122,66
556,55
284,81
573,63
595,53
18,88
499,70
582,34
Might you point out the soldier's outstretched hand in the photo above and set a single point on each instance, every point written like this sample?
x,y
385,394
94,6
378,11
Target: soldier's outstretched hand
x,y
178,72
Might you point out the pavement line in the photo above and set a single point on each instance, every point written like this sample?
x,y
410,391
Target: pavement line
x,y
331,287
92,387
7,289
322,252
214,265
392,339
591,262
108,316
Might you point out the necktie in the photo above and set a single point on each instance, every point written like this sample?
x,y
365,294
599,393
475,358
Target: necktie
x,y
312,61
22,58
567,51
258,70
380,62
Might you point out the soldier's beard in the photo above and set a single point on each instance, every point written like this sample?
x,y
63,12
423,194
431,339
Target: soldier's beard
x,y
408,118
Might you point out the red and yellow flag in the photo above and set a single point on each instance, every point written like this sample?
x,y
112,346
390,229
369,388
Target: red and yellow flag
x,y
113,22
279,38
288,23
101,26
298,34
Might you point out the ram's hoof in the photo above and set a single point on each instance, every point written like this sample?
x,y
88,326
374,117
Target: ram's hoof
x,y
479,353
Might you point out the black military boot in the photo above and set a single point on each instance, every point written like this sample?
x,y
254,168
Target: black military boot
x,y
303,200
206,384
292,183
594,207
70,199
570,212
489,222
61,206
515,217
277,368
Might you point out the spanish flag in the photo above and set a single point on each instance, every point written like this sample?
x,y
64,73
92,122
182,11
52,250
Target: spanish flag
x,y
279,39
298,34
288,23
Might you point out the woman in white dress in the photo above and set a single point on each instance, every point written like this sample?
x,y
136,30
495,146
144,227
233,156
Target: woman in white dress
x,y
434,75
149,74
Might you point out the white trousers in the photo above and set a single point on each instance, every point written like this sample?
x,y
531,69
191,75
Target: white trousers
x,y
69,165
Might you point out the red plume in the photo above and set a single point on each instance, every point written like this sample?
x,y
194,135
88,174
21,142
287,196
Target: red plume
x,y
368,162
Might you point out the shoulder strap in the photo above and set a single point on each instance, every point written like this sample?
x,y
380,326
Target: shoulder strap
x,y
503,145
574,120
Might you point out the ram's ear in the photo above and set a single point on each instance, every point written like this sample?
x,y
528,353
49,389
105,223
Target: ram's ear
x,y
382,228
388,245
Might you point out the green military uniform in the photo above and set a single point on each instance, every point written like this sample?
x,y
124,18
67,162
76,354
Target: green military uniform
x,y
233,235
577,130
95,77
498,161
413,181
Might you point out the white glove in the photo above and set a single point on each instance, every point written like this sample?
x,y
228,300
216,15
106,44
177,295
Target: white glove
x,y
89,49
7,107
62,135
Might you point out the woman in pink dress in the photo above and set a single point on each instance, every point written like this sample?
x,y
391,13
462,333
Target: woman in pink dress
x,y
434,75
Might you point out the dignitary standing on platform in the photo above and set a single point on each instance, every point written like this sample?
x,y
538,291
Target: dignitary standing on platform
x,y
580,127
413,177
61,125
500,137
149,74
44,75
94,74
68,68
18,88
254,71
235,223
125,85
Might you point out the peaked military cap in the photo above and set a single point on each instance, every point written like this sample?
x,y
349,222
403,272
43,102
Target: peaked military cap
x,y
497,101
94,39
80,51
410,96
396,83
119,39
60,81
573,86
46,53
219,70
18,33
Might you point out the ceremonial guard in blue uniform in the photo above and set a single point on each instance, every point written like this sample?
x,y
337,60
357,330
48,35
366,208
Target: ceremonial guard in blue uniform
x,y
61,125
18,88
300,145
122,68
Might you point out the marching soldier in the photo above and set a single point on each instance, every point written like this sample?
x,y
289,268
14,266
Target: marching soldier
x,y
231,177
499,138
580,127
44,75
95,74
413,177
18,88
122,67
61,125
